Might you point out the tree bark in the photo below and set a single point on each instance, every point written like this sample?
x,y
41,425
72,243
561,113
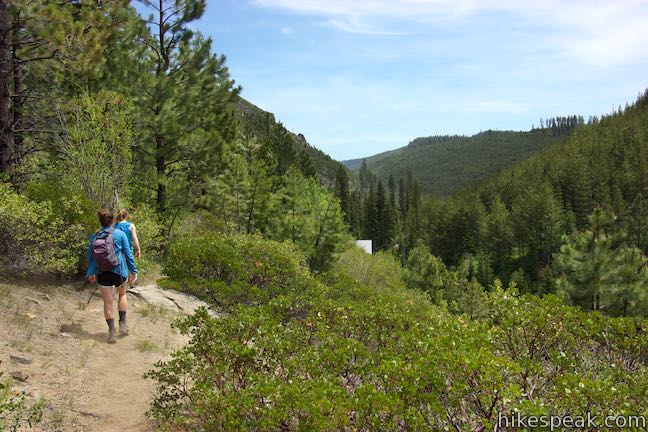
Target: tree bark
x,y
161,173
19,97
160,150
6,119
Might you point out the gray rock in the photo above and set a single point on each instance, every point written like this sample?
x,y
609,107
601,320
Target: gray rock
x,y
21,359
19,376
169,299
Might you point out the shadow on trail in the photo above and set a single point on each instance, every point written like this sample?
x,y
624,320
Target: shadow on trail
x,y
77,330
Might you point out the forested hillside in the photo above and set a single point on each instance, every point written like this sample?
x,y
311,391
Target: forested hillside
x,y
571,219
263,124
524,293
446,164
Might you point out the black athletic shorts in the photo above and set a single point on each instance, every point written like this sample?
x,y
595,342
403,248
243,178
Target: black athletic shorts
x,y
110,279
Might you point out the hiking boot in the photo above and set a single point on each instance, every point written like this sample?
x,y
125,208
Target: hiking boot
x,y
123,328
112,336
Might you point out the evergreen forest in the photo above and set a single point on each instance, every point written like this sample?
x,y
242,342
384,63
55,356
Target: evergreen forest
x,y
509,270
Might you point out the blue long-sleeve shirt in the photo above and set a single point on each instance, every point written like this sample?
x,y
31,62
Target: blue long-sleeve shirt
x,y
122,250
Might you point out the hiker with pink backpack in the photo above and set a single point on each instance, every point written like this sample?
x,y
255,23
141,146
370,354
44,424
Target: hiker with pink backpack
x,y
110,259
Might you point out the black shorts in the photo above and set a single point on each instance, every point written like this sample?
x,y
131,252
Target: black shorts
x,y
110,279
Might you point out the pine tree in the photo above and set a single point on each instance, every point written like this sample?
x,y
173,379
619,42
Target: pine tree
x,y
381,236
310,217
586,263
259,196
426,272
370,219
628,293
306,165
190,101
343,193
279,147
636,222
402,197
241,195
498,233
365,178
391,185
48,50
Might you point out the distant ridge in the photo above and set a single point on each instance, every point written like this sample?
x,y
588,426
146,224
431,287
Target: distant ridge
x,y
445,164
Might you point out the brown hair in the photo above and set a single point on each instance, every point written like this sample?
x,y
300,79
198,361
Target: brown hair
x,y
105,217
122,215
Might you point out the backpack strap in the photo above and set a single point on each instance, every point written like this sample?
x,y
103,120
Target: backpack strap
x,y
106,232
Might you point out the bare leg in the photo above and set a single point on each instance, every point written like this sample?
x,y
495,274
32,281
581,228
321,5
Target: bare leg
x,y
107,296
123,304
123,327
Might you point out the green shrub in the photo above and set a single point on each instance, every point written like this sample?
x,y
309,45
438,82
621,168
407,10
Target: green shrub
x,y
72,207
570,361
380,271
149,231
34,237
197,223
227,269
352,358
95,153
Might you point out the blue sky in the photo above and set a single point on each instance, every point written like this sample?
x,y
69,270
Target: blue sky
x,y
358,77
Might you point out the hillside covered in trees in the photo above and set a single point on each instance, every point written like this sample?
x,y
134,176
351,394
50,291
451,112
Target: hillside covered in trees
x,y
446,164
568,220
264,126
524,292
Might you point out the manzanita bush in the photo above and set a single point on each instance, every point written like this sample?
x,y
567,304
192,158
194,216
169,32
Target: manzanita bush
x,y
336,355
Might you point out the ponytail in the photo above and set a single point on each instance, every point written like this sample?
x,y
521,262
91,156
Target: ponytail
x,y
122,215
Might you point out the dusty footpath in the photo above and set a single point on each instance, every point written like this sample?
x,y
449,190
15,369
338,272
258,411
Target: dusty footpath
x,y
53,347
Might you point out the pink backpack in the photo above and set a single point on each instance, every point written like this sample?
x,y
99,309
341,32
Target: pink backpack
x,y
103,250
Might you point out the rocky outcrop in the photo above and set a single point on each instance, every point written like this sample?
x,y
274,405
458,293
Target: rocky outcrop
x,y
170,299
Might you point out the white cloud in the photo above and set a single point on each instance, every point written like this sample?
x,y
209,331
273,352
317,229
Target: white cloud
x,y
352,24
602,33
287,31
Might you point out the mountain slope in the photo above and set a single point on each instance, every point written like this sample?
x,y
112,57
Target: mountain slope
x,y
533,208
445,164
260,121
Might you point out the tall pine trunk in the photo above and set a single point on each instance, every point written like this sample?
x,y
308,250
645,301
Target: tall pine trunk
x,y
6,118
161,173
160,141
19,97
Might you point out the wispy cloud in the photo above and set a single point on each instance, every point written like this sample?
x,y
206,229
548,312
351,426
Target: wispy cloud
x,y
599,32
352,24
370,75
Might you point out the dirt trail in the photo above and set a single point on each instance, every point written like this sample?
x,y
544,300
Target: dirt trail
x,y
87,384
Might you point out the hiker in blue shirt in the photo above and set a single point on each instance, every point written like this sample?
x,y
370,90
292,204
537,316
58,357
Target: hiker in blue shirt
x,y
131,233
116,276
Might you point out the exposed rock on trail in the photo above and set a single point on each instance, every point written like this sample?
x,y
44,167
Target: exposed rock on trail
x,y
171,300
86,383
